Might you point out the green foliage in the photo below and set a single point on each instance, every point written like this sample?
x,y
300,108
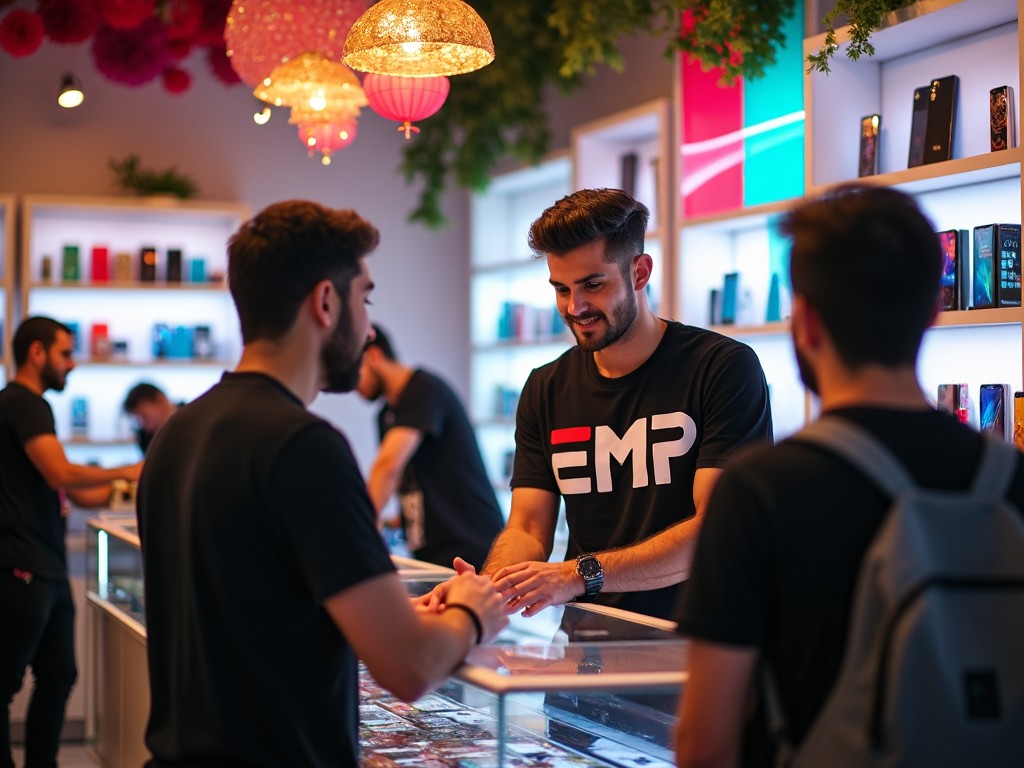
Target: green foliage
x,y
864,17
131,177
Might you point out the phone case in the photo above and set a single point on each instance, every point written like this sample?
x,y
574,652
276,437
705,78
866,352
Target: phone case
x,y
938,136
918,124
955,258
1007,277
1002,118
868,165
1018,420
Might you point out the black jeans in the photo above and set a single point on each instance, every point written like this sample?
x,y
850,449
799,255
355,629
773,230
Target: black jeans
x,y
38,632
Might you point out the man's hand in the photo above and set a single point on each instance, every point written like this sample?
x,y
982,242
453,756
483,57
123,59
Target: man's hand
x,y
435,599
481,595
533,586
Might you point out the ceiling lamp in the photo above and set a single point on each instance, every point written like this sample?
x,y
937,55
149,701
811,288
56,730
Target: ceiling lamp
x,y
70,95
263,34
405,99
327,137
313,81
419,38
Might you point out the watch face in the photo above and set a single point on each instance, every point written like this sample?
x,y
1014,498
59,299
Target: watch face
x,y
589,568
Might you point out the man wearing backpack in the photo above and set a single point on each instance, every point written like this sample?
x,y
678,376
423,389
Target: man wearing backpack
x,y
788,527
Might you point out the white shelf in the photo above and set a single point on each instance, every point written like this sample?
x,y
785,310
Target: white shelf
x,y
114,285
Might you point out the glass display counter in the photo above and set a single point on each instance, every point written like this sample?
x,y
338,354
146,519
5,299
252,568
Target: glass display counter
x,y
576,685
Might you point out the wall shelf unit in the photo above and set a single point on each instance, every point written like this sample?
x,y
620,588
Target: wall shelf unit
x,y
151,324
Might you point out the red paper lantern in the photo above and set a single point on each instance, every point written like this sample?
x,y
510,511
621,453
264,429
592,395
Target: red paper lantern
x,y
405,99
126,14
69,21
327,136
176,80
21,32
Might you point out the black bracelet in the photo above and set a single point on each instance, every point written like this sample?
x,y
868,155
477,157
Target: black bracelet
x,y
472,616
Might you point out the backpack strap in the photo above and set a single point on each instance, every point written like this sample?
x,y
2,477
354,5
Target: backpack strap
x,y
995,472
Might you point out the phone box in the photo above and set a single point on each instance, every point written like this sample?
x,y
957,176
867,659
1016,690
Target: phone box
x,y
1006,274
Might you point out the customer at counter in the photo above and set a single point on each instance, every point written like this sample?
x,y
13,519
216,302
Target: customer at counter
x,y
424,434
630,428
38,614
788,526
265,577
151,408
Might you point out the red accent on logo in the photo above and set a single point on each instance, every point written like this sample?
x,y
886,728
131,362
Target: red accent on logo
x,y
570,435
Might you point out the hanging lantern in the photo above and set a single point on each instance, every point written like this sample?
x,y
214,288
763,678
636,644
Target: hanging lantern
x,y
313,81
263,34
405,99
327,137
419,38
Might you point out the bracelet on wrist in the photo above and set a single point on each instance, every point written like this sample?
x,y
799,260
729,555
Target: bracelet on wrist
x,y
472,617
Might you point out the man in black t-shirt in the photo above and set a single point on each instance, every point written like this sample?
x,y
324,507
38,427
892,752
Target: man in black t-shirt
x,y
630,428
788,526
36,610
265,577
428,456
151,408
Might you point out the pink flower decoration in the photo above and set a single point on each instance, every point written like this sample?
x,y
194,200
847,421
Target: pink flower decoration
x,y
132,57
179,48
176,80
69,21
220,65
21,32
126,14
184,19
211,30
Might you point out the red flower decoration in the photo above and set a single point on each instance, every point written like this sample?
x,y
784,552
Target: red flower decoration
x,y
215,15
176,80
179,48
126,14
132,57
184,18
21,32
69,21
220,64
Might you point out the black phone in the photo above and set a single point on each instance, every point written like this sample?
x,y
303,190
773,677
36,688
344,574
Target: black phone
x,y
918,124
868,165
992,409
950,286
938,135
1002,118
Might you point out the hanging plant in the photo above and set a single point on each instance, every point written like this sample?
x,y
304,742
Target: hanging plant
x,y
864,17
133,178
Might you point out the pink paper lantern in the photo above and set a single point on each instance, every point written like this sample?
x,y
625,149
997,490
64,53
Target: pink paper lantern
x,y
405,99
262,34
327,136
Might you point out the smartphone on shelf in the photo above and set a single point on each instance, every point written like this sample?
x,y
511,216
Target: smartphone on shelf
x,y
868,165
992,407
918,124
1002,120
938,134
1018,420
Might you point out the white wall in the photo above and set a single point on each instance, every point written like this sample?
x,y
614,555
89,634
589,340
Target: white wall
x,y
208,133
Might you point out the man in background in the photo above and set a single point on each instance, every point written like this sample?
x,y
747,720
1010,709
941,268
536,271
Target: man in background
x,y
265,576
788,526
37,615
151,408
429,457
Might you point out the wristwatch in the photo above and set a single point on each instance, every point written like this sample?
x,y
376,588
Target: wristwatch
x,y
590,570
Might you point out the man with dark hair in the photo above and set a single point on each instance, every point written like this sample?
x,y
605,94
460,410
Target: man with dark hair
x,y
35,594
630,428
265,576
425,436
151,408
788,526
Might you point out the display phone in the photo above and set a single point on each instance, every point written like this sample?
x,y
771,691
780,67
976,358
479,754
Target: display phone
x,y
992,407
1002,119
953,399
949,241
868,165
1018,420
983,277
938,134
730,297
918,124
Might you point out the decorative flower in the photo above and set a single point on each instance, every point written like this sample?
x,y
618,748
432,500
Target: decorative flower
x,y
183,19
179,49
131,57
70,21
176,80
126,14
220,64
211,30
21,32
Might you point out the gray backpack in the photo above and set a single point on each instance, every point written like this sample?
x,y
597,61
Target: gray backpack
x,y
933,670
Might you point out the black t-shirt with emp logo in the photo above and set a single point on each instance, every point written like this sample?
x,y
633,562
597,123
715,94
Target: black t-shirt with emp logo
x,y
623,452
